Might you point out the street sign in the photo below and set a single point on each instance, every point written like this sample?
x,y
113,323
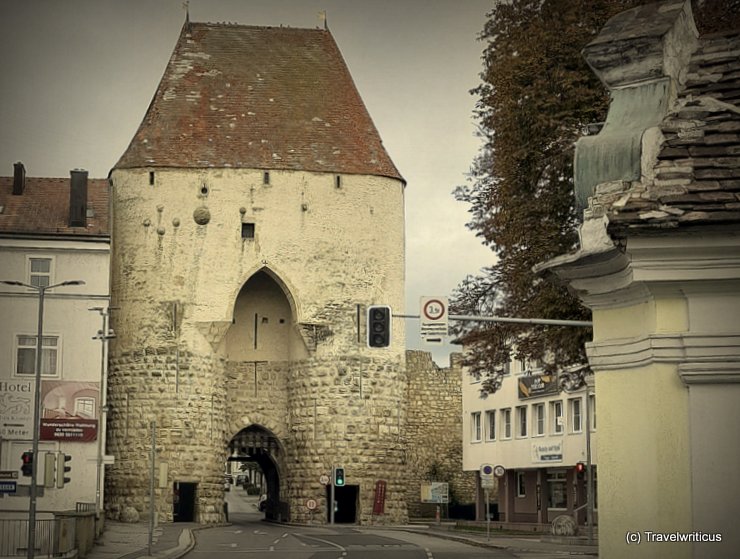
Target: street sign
x,y
9,474
311,504
8,487
324,480
486,476
499,471
434,325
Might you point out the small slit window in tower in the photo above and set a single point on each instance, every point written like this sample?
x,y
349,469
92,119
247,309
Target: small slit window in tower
x,y
338,181
266,177
247,230
151,177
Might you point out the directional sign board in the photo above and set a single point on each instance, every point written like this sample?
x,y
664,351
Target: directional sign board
x,y
8,487
433,316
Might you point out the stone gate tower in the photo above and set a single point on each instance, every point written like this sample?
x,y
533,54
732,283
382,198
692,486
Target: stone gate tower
x,y
256,215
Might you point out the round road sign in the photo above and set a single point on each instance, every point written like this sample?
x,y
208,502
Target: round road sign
x,y
311,504
324,480
486,470
499,471
434,309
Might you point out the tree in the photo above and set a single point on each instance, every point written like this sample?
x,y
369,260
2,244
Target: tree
x,y
537,95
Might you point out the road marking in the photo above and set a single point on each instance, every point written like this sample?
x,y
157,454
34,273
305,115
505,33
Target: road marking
x,y
430,555
285,535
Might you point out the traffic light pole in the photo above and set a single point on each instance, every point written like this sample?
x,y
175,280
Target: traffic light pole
x,y
331,496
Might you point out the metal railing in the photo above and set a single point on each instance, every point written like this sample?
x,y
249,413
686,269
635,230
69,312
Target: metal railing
x,y
53,537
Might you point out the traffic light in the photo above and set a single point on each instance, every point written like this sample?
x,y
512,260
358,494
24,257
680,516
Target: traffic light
x,y
580,470
63,469
339,476
378,326
27,463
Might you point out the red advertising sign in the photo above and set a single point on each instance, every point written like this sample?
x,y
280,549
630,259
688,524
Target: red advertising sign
x,y
69,411
379,502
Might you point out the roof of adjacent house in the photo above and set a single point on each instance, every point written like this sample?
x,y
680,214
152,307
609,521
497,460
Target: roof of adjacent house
x,y
43,207
697,175
258,97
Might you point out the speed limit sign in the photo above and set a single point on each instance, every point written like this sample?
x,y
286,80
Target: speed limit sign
x,y
433,325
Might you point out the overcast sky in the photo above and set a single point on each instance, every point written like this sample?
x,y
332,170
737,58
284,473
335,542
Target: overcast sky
x,y
78,76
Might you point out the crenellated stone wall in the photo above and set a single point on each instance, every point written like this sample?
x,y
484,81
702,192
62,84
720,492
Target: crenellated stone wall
x,y
434,431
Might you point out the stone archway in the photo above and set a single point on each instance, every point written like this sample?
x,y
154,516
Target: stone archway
x,y
259,445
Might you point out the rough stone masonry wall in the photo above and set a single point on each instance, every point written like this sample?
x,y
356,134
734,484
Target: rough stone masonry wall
x,y
349,411
434,430
176,389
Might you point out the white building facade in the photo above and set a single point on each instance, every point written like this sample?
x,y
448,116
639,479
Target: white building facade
x,y
40,247
537,432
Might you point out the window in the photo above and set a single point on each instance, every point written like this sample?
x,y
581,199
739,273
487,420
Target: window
x,y
506,423
592,410
85,407
475,435
539,419
26,355
247,230
557,497
266,177
557,417
575,415
521,419
40,269
491,425
521,485
338,181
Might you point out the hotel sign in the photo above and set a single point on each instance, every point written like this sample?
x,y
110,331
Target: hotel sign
x,y
16,410
534,386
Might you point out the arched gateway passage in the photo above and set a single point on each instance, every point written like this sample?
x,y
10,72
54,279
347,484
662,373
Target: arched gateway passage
x,y
257,446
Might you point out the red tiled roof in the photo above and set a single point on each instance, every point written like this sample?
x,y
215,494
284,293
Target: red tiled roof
x,y
43,208
258,97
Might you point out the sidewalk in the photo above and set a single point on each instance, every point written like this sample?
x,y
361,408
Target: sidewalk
x,y
131,541
516,544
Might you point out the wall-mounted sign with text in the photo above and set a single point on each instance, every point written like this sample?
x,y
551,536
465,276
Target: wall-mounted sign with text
x,y
534,386
16,410
69,411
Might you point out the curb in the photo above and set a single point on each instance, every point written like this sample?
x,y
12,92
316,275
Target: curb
x,y
490,544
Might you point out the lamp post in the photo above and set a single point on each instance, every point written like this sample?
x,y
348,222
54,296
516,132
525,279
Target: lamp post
x,y
104,335
41,290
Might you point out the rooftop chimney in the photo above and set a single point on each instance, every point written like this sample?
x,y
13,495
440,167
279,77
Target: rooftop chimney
x,y
78,198
19,178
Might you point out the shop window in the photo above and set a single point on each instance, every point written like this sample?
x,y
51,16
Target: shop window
x,y
521,485
557,497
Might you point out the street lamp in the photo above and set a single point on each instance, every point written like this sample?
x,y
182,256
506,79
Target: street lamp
x,y
104,335
41,289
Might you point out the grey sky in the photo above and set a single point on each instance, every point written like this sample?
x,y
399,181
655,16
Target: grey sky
x,y
78,76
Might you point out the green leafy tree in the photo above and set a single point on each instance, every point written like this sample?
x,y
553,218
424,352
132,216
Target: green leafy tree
x,y
537,95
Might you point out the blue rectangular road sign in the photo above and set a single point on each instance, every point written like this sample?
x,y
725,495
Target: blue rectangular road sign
x,y
7,486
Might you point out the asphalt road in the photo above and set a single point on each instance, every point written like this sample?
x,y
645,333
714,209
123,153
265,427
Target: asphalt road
x,y
249,536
